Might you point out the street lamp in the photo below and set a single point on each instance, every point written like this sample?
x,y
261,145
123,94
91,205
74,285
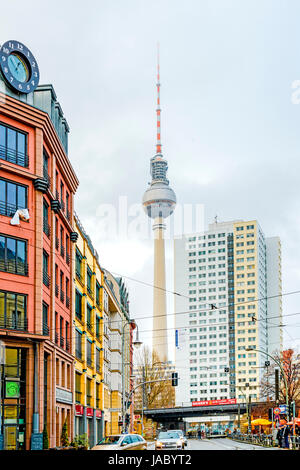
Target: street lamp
x,y
137,343
282,371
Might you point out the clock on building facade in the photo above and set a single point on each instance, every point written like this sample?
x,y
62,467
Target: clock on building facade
x,y
19,67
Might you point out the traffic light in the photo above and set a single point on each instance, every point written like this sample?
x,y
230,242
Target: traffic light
x,y
270,414
174,379
127,418
291,410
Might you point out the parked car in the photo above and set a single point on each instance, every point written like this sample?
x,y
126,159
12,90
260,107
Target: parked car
x,y
182,436
122,442
169,440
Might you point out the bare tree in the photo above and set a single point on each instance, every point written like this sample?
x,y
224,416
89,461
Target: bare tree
x,y
290,362
148,368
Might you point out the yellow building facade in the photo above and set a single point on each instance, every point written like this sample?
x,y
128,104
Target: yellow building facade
x,y
253,284
102,346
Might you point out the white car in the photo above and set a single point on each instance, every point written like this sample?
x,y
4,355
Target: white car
x,y
169,440
182,436
122,442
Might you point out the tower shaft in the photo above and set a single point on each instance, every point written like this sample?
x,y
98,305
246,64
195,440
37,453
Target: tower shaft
x,y
159,338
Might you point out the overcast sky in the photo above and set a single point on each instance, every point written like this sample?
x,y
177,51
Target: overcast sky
x,y
230,130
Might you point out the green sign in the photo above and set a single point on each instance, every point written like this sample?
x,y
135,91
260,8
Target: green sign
x,y
12,389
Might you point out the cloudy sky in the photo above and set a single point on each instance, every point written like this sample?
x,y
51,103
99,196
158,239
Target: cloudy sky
x,y
230,122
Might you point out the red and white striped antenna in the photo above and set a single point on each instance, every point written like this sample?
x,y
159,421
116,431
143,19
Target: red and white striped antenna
x,y
158,110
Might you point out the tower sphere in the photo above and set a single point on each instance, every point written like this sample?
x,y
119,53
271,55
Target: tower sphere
x,y
159,200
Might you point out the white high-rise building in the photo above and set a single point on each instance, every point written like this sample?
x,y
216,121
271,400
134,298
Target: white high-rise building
x,y
224,276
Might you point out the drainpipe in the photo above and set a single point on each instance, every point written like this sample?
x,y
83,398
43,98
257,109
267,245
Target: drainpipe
x,y
35,417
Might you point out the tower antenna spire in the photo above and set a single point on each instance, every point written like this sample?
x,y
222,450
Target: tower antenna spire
x,y
158,109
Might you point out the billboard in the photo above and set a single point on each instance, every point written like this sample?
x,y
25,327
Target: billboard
x,y
230,401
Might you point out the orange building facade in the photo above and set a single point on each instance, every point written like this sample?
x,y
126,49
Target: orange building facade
x,y
36,263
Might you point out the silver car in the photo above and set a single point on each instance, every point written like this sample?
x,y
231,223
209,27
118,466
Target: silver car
x,y
182,436
169,440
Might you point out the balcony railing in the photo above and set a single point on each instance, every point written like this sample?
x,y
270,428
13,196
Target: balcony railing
x,y
8,209
67,345
12,156
67,301
62,296
68,215
46,228
62,205
56,338
13,323
62,342
89,325
56,243
68,259
13,266
45,329
56,290
46,279
62,251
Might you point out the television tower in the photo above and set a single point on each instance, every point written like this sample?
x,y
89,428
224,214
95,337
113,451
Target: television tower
x,y
159,202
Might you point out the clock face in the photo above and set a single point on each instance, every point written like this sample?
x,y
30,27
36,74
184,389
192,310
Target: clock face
x,y
19,67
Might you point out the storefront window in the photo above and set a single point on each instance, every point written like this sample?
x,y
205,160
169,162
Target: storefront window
x,y
13,398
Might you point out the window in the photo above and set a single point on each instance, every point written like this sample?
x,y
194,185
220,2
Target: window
x,y
89,317
62,295
62,250
61,330
97,359
13,311
46,166
89,353
46,227
45,319
97,327
78,344
78,262
77,387
13,146
12,197
78,305
46,277
13,255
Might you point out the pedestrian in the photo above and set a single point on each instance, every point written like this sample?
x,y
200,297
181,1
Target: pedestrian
x,y
279,436
286,433
199,433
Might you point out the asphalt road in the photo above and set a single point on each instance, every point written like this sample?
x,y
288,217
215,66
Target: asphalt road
x,y
218,444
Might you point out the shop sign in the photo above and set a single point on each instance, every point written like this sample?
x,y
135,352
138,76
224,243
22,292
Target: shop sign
x,y
12,389
136,417
230,401
78,410
98,413
64,396
90,412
